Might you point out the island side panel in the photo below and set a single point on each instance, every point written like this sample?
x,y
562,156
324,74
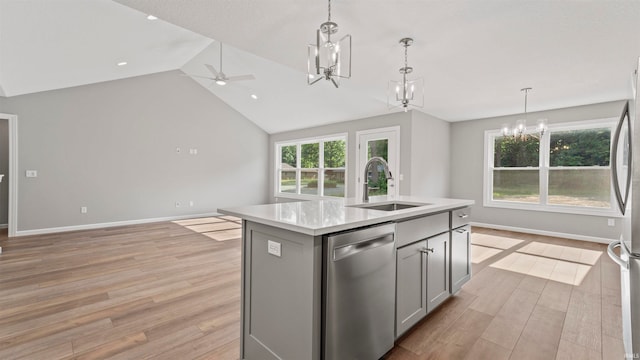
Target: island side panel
x,y
281,299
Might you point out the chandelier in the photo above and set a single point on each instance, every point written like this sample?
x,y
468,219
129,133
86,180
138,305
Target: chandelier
x,y
520,131
329,59
405,92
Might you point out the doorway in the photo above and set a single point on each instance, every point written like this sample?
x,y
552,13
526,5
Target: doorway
x,y
383,142
9,168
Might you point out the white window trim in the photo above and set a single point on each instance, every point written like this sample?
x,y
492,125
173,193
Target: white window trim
x,y
543,167
321,140
359,163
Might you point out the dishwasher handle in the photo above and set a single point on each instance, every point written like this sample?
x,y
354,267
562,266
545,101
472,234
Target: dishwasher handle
x,y
344,251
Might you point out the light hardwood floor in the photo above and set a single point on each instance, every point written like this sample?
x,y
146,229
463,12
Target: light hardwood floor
x,y
172,291
530,297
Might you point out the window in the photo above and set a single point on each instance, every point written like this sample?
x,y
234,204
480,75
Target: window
x,y
565,170
312,167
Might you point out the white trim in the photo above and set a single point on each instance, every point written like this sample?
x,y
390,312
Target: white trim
x,y
13,173
373,131
308,140
545,233
398,171
564,209
110,224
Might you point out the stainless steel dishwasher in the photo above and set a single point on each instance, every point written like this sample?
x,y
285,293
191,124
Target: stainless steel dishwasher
x,y
359,293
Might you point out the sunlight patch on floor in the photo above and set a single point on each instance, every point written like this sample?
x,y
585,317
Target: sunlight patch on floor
x,y
543,267
219,228
583,256
485,246
482,253
493,241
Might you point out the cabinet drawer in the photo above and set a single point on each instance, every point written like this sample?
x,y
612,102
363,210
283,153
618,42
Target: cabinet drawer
x,y
421,228
460,217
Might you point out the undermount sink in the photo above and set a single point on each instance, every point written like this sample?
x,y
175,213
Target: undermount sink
x,y
393,206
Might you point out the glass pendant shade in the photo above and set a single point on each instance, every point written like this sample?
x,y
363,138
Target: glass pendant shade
x,y
521,127
405,93
542,126
506,130
330,57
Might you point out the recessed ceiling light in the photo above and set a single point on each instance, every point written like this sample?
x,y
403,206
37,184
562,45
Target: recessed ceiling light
x,y
254,96
122,63
151,17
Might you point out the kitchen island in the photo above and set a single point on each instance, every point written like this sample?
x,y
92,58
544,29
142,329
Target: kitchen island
x,y
285,257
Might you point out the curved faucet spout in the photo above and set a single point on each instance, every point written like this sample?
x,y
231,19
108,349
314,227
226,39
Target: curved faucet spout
x,y
387,173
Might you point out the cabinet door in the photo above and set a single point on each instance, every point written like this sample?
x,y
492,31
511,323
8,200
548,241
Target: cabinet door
x,y
460,258
437,270
411,301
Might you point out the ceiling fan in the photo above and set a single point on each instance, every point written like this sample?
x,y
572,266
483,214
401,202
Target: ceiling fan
x,y
220,77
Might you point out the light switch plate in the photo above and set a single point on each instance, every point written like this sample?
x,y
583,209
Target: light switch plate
x,y
273,248
31,173
611,222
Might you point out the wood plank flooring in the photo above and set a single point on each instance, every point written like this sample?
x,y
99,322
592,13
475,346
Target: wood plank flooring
x,y
530,297
167,291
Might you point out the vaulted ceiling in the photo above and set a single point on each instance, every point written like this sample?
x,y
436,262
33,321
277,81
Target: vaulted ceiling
x,y
474,55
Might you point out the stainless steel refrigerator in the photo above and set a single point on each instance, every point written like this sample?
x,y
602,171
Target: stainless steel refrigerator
x,y
625,161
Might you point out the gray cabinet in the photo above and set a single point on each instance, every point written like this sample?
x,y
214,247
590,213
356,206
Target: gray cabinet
x,y
460,217
411,291
437,270
281,286
460,257
422,279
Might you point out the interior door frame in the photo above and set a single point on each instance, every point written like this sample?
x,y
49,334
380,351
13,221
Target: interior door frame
x,y
396,158
13,172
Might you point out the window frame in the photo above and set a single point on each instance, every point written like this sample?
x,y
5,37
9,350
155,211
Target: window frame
x,y
299,169
544,169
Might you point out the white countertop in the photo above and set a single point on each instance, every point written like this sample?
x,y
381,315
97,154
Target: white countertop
x,y
319,217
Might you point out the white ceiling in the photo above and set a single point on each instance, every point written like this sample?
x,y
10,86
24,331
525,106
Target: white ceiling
x,y
474,55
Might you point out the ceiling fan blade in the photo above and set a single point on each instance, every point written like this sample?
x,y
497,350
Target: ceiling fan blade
x,y
241,77
212,69
200,76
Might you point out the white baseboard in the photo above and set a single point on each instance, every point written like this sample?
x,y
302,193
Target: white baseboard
x,y
545,233
109,224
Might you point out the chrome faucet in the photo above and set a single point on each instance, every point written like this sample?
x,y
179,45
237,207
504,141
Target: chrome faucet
x,y
387,173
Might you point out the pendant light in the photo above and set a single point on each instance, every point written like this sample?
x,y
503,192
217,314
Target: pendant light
x,y
329,59
519,131
406,92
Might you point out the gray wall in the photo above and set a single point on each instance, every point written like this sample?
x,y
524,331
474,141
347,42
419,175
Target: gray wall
x,y
467,148
112,148
430,156
419,134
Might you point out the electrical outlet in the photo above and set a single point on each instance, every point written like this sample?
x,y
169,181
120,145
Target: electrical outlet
x,y
274,248
178,150
611,222
83,210
177,203
31,173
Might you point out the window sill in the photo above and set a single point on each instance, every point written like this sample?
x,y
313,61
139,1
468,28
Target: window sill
x,y
300,197
554,208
